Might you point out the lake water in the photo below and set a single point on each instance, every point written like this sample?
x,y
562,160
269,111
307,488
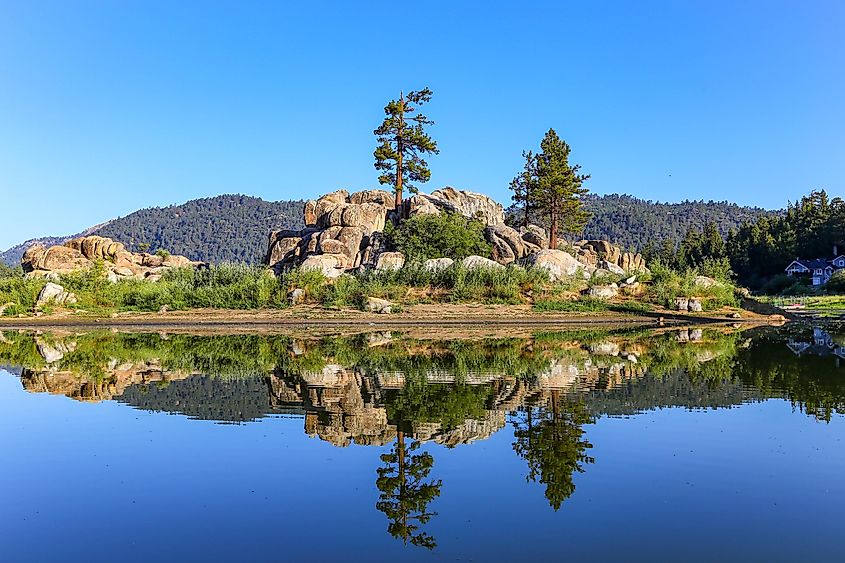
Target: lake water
x,y
695,445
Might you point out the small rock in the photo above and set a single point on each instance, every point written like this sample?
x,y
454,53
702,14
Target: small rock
x,y
628,281
163,309
682,303
694,305
437,264
376,305
735,316
479,262
705,282
54,293
390,261
604,291
296,296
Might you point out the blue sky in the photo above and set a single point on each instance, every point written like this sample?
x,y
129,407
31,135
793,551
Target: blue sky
x,y
107,107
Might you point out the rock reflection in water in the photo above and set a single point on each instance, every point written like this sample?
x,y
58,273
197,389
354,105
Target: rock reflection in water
x,y
400,393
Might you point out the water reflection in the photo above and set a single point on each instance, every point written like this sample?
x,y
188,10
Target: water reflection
x,y
400,393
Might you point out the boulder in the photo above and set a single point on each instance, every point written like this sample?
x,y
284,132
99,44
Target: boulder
x,y
535,235
694,305
296,296
506,242
472,205
437,264
330,265
608,291
479,262
610,267
605,348
420,204
704,282
381,197
55,258
390,261
376,305
54,293
557,263
682,303
282,249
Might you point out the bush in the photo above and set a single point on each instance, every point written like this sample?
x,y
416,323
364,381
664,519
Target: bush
x,y
447,235
836,283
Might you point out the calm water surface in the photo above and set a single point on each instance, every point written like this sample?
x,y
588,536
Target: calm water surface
x,y
680,445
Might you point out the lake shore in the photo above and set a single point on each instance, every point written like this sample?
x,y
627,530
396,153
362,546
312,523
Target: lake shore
x,y
476,317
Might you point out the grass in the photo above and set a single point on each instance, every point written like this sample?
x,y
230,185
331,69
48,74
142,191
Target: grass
x,y
236,286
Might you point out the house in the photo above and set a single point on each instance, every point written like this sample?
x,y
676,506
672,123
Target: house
x,y
819,269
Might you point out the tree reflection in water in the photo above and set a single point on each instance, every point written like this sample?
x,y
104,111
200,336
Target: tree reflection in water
x,y
405,493
550,440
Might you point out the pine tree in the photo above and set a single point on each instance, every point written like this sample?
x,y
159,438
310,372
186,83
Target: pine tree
x,y
402,142
559,188
524,186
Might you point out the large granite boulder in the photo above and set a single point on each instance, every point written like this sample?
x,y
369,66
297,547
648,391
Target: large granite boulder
x,y
480,263
557,263
473,205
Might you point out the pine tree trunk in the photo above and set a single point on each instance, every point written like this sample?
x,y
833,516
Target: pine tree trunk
x,y
399,149
553,231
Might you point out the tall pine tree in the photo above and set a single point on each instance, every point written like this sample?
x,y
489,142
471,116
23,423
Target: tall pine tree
x,y
559,189
402,142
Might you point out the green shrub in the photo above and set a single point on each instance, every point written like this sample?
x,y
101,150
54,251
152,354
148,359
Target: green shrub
x,y
836,283
447,235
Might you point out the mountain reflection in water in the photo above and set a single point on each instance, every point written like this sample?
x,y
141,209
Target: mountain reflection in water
x,y
398,392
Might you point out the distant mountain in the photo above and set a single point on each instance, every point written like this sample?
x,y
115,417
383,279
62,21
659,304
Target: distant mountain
x,y
234,228
12,256
631,222
225,228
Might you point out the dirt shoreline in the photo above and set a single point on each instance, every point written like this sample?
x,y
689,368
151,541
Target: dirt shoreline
x,y
478,318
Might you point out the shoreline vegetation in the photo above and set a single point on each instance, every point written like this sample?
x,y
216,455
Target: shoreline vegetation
x,y
527,291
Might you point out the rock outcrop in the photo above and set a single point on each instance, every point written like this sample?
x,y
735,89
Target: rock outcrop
x,y
349,227
81,253
345,232
599,253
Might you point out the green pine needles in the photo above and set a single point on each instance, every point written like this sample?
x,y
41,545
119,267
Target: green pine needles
x,y
403,142
550,186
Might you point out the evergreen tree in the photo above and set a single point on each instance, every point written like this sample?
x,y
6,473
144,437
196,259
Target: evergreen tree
x,y
524,187
402,142
559,188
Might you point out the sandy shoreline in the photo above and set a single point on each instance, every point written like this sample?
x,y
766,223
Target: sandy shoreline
x,y
475,318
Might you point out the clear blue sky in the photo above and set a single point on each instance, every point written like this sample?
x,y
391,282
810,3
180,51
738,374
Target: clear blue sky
x,y
107,106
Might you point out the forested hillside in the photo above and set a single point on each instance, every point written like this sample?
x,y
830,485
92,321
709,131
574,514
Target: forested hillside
x,y
226,228
235,227
633,223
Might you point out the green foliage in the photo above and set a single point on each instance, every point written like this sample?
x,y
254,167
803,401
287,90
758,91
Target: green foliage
x,y
7,272
836,283
552,187
225,228
551,442
667,285
404,492
448,235
808,229
402,142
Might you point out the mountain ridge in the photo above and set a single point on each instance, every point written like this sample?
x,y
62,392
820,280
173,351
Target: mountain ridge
x,y
235,227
